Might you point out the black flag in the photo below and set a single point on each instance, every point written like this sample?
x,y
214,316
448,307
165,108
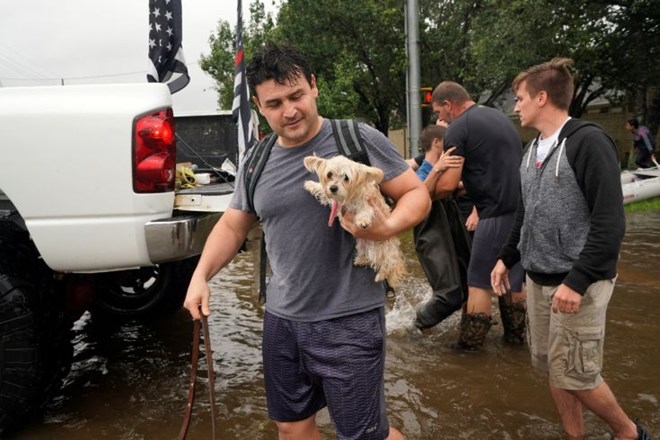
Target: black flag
x,y
166,62
241,105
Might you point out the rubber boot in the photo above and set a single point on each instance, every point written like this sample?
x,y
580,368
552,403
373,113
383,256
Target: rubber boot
x,y
474,328
513,320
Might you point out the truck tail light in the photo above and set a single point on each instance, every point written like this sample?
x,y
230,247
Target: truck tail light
x,y
154,152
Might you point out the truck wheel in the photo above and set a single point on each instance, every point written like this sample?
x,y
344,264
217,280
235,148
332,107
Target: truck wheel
x,y
35,349
146,292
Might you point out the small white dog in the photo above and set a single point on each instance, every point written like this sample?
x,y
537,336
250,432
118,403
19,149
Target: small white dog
x,y
345,186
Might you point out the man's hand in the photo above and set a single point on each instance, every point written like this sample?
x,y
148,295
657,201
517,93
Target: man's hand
x,y
472,220
499,279
566,300
198,295
447,161
378,230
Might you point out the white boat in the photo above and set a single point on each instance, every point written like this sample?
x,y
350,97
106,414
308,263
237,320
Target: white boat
x,y
640,184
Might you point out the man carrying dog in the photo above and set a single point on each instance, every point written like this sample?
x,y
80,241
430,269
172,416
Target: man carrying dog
x,y
324,329
568,232
488,141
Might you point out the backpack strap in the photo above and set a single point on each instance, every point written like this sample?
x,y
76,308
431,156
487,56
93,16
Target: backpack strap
x,y
255,166
347,137
348,140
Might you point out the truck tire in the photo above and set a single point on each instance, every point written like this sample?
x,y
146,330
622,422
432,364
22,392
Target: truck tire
x,y
144,293
35,349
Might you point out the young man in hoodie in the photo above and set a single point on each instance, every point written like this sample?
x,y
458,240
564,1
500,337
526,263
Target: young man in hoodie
x,y
567,233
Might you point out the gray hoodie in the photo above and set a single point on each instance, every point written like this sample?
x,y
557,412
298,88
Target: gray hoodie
x,y
570,222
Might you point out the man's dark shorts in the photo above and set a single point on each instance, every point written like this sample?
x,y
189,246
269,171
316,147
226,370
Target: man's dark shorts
x,y
338,363
490,236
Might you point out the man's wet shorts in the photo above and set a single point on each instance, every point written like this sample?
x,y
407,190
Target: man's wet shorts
x,y
490,236
337,362
568,346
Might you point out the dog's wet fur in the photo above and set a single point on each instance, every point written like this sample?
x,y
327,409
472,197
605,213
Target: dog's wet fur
x,y
350,185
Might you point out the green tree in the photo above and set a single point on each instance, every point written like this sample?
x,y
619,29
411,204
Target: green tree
x,y
635,50
220,62
483,44
357,50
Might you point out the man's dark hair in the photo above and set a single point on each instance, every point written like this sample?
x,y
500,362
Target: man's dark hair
x,y
634,122
280,63
430,133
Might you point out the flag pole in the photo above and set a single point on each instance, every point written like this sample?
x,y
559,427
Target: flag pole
x,y
241,105
414,104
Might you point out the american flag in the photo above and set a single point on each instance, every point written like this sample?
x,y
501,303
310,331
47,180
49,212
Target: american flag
x,y
166,62
241,105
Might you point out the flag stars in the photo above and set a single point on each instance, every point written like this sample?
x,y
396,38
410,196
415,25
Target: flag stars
x,y
165,44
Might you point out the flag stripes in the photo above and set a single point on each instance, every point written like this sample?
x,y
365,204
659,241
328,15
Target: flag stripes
x,y
166,61
241,105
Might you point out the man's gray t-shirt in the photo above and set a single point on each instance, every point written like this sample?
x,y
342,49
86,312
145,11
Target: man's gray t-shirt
x,y
313,275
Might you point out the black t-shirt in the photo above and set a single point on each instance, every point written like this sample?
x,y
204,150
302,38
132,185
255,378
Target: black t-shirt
x,y
492,150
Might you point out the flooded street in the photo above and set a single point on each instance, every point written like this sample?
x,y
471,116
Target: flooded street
x,y
130,381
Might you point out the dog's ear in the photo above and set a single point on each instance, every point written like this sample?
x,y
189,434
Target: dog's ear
x,y
364,174
375,173
312,163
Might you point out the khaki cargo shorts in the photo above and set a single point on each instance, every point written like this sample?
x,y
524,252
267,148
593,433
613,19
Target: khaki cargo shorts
x,y
569,347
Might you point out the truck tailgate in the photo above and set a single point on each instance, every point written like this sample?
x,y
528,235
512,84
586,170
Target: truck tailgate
x,y
205,198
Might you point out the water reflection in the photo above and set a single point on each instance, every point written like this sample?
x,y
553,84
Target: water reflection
x,y
129,381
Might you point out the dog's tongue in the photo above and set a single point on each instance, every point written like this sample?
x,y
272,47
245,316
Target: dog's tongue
x,y
334,207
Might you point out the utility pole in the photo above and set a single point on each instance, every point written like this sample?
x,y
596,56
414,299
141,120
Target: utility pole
x,y
414,115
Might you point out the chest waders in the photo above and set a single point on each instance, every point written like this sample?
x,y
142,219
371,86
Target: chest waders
x,y
443,246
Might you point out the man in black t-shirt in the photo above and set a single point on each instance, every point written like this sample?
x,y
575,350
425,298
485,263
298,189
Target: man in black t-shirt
x,y
488,141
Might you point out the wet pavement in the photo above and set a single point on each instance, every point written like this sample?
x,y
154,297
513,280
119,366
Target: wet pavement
x,y
129,381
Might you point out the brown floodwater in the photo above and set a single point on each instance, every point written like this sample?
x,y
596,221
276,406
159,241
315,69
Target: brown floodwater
x,y
129,381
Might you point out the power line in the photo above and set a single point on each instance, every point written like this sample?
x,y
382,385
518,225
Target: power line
x,y
17,59
17,67
67,78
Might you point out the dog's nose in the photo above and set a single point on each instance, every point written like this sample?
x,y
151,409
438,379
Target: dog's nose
x,y
333,188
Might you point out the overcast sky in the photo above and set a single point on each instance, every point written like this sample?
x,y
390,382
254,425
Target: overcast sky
x,y
45,42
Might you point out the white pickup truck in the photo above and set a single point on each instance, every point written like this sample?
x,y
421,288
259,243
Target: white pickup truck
x,y
88,221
